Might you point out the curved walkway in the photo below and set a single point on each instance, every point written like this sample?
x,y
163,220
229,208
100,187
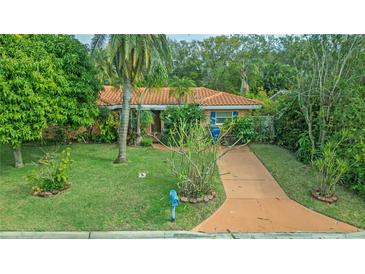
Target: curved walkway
x,y
256,203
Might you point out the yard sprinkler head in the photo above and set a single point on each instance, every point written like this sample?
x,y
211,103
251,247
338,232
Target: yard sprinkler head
x,y
174,199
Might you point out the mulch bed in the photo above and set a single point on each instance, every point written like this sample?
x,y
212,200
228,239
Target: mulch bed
x,y
317,195
194,200
47,194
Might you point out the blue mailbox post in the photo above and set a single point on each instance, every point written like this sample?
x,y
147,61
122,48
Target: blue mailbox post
x,y
174,199
215,133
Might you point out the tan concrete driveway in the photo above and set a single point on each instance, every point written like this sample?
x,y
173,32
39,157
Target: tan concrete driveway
x,y
256,203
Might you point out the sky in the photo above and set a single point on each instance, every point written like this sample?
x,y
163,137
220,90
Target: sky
x,y
86,38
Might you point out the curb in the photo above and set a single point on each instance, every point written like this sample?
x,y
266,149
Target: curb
x,y
44,235
176,235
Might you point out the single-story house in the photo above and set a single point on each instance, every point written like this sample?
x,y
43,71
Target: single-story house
x,y
217,105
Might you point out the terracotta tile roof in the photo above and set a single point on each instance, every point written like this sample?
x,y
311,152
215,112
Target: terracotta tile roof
x,y
200,95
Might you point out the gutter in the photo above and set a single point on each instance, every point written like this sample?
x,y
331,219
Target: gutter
x,y
176,235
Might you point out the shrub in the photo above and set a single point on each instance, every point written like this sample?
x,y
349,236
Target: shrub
x,y
52,173
352,149
289,122
241,129
194,160
263,129
175,117
105,129
304,151
331,169
146,142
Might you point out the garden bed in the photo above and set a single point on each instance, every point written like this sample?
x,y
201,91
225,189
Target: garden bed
x,y
47,194
197,200
316,193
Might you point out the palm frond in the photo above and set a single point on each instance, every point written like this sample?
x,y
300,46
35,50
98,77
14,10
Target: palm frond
x,y
98,41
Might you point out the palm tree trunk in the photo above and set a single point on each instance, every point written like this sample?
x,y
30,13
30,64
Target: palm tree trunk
x,y
124,121
18,156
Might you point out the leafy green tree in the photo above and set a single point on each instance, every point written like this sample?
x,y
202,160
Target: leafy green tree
x,y
216,62
132,57
181,88
187,60
44,80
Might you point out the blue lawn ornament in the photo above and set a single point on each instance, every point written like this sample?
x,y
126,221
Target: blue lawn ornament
x,y
174,199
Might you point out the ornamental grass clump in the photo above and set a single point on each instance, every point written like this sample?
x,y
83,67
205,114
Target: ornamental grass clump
x,y
331,171
52,174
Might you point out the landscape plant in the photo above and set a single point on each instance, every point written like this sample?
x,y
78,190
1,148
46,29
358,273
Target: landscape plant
x,y
193,159
146,142
175,117
331,170
108,127
52,173
131,57
240,128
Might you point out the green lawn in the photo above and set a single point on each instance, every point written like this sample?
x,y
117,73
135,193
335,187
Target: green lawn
x,y
103,196
298,180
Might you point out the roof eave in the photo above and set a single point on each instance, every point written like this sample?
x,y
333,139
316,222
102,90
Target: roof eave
x,y
163,107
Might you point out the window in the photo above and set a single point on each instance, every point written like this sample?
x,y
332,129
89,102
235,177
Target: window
x,y
221,117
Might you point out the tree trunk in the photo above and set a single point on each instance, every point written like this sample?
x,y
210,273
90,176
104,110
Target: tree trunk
x,y
139,135
242,88
124,122
18,156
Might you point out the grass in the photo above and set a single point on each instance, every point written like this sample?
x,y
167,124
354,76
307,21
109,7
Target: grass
x,y
103,196
298,179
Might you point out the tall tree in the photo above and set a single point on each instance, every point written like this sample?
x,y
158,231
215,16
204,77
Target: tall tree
x,y
132,56
44,80
244,82
324,72
156,79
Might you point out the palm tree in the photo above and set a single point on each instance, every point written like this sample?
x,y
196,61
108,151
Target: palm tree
x,y
151,83
105,71
132,56
181,87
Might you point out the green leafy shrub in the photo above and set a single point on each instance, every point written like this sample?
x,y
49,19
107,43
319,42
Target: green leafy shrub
x,y
331,169
53,172
105,128
175,117
263,129
241,129
304,150
146,142
289,123
352,149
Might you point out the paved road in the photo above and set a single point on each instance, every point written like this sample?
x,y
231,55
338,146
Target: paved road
x,y
256,203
